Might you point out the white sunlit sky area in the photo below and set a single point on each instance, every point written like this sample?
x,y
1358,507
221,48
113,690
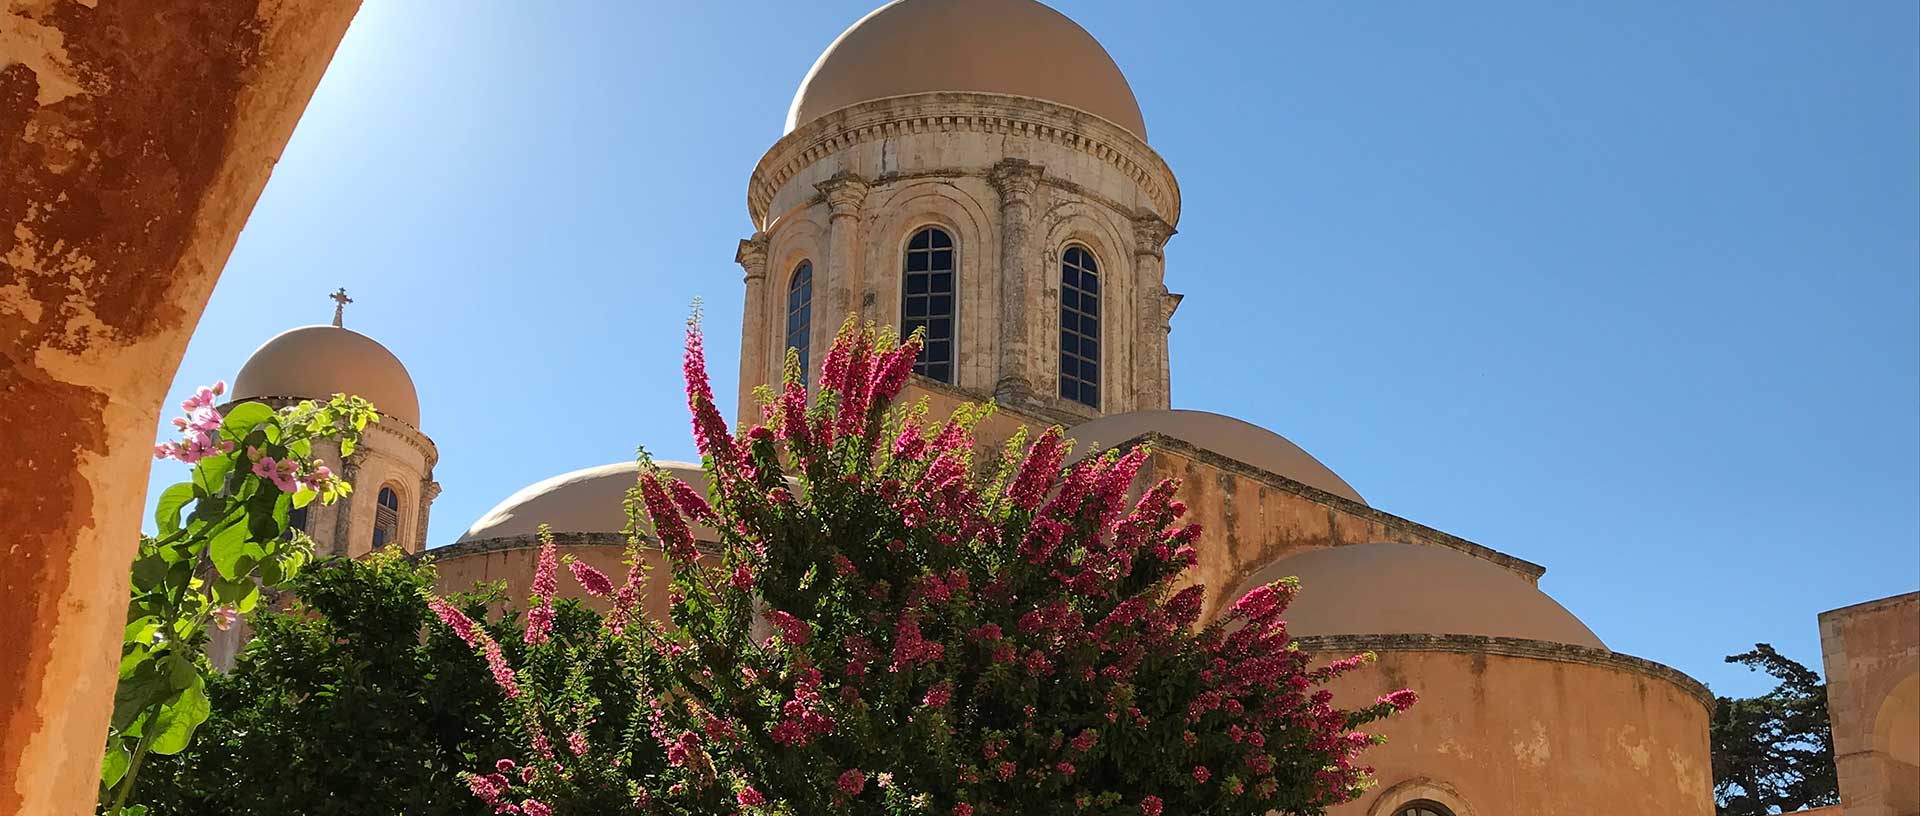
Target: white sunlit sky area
x,y
1630,290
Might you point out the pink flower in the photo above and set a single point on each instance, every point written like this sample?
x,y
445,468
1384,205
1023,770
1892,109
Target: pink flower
x,y
795,631
962,809
1150,806
224,616
454,619
749,796
1400,700
1201,774
535,807
852,782
592,580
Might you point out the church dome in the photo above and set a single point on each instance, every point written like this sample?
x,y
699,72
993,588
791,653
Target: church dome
x,y
1415,589
591,500
1235,439
1013,47
316,362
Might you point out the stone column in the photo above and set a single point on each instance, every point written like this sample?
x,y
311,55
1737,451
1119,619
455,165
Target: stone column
x,y
754,326
343,509
1153,387
1021,281
845,194
429,490
130,155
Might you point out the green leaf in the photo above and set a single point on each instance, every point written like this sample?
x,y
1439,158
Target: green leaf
x,y
243,418
173,729
210,474
181,671
134,810
150,571
226,549
166,514
113,766
304,497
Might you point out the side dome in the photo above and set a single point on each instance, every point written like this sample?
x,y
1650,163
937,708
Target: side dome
x,y
316,362
1235,439
1417,589
591,500
1013,47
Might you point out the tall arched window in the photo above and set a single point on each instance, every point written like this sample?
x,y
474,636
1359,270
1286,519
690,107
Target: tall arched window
x,y
386,518
1423,809
926,299
800,312
1080,327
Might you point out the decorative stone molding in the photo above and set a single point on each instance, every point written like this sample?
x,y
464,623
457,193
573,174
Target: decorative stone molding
x,y
844,193
1510,647
1016,180
1150,234
1416,790
1158,441
752,257
963,112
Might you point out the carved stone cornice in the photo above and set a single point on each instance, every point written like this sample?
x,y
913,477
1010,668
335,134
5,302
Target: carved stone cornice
x,y
1170,303
845,192
1016,179
752,256
1150,234
963,112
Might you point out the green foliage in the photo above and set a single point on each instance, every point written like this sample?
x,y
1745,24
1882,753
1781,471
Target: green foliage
x,y
1774,753
222,538
347,704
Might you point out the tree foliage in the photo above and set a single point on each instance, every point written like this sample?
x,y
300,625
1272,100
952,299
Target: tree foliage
x,y
888,627
1774,753
222,537
345,703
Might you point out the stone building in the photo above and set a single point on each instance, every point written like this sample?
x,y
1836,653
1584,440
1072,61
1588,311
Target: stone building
x,y
981,169
1872,656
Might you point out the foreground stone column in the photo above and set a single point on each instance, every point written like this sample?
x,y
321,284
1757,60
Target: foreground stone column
x,y
1017,180
752,258
1156,307
135,136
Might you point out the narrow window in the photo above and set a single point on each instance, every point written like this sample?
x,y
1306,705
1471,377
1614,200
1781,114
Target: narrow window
x,y
1080,327
926,300
386,518
800,313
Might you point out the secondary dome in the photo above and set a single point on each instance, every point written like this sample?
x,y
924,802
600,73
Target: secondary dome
x,y
1402,589
1235,439
316,362
1014,47
591,500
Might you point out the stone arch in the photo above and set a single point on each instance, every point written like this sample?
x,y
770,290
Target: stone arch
x,y
1419,790
900,212
1896,736
110,274
1070,221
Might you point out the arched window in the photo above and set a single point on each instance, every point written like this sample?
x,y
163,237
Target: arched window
x,y
1080,327
386,518
1423,808
800,312
926,299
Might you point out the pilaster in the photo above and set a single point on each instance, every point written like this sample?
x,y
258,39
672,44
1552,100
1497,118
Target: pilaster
x,y
1155,316
845,194
756,331
1020,279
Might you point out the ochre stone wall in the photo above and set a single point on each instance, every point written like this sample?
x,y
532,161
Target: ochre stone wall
x,y
1252,518
1872,655
460,566
1519,727
134,139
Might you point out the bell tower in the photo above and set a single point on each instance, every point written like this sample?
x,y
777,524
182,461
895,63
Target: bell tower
x,y
978,170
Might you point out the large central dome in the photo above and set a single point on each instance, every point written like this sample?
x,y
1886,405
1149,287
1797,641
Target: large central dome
x,y
1015,47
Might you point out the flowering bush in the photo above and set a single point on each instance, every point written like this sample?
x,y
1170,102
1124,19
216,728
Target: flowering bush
x,y
251,467
887,628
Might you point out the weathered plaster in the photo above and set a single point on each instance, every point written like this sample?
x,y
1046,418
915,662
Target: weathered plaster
x,y
134,139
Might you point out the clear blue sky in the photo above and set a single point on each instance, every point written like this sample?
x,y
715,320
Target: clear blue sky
x,y
1630,290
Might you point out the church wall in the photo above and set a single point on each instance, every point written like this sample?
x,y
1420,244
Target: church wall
x,y
1872,657
461,566
1501,731
1252,518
